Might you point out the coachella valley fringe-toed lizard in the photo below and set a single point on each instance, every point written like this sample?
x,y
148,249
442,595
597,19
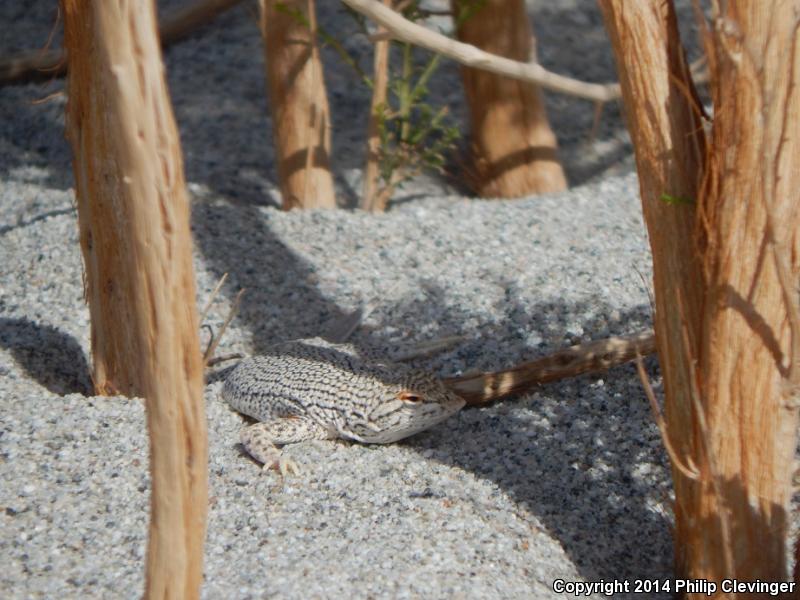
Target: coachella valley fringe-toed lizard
x,y
316,390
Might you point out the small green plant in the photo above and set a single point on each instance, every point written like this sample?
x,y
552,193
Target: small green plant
x,y
674,200
415,134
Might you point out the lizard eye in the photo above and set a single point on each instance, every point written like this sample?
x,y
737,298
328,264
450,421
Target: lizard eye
x,y
409,397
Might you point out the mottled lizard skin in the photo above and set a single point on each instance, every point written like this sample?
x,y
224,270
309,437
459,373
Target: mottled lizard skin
x,y
313,389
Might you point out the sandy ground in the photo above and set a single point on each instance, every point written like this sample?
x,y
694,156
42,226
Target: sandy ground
x,y
566,483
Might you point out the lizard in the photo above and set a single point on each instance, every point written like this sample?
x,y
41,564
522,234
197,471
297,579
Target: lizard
x,y
315,389
312,389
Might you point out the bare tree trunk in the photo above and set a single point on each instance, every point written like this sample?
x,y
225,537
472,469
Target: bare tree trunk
x,y
726,262
371,199
514,151
298,102
134,227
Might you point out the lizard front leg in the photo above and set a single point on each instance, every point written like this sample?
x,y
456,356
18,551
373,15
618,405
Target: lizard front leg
x,y
260,440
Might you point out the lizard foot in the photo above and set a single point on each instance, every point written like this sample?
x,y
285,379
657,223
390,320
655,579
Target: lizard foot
x,y
275,459
284,465
261,441
261,447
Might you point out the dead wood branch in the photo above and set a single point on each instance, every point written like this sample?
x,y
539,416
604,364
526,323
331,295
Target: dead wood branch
x,y
38,65
689,469
404,30
208,355
211,298
371,199
133,217
298,103
601,355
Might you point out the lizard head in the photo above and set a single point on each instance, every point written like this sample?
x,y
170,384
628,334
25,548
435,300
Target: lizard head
x,y
414,403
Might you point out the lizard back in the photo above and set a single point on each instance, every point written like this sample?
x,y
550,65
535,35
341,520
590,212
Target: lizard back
x,y
357,397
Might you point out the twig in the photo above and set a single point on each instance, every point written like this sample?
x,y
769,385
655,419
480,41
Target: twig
x,y
312,84
37,65
710,459
213,295
427,348
214,342
210,331
429,12
598,113
404,30
226,357
33,65
482,388
647,289
370,199
181,22
690,469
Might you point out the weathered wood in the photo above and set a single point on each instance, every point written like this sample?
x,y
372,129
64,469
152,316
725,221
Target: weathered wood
x,y
133,215
513,150
298,103
591,357
371,199
722,313
400,28
36,65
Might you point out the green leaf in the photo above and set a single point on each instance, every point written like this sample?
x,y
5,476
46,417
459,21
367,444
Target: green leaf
x,y
673,200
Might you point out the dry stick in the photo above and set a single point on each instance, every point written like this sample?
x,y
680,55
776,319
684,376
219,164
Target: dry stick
x,y
33,65
210,361
689,469
210,331
427,348
214,341
183,21
213,295
598,112
594,356
213,361
311,11
724,522
400,28
710,459
404,30
37,65
224,358
648,289
380,82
